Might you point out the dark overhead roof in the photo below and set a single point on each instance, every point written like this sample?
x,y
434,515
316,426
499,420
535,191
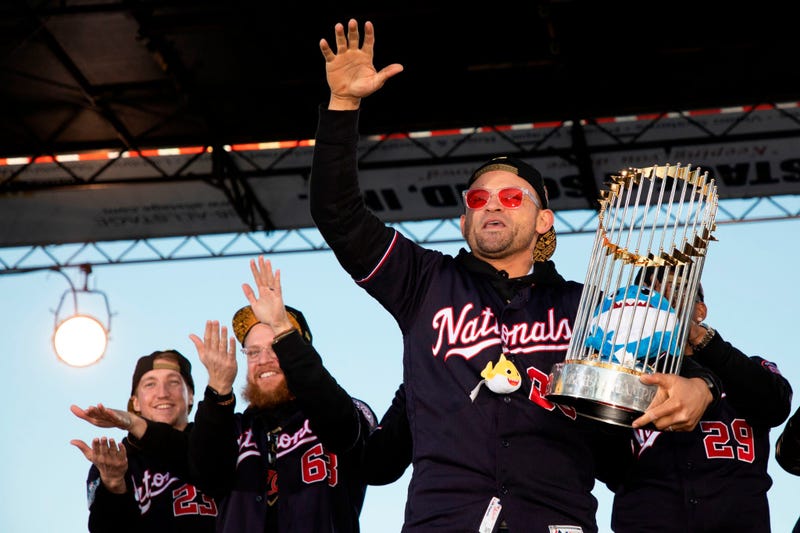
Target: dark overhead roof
x,y
90,74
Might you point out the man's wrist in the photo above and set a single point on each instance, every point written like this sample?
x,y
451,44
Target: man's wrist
x,y
283,334
116,486
218,398
342,103
137,427
712,387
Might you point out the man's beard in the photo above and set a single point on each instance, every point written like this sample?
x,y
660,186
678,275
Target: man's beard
x,y
276,396
497,246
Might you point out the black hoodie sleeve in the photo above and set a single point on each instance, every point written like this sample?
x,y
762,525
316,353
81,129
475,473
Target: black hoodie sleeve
x,y
110,512
331,411
745,378
787,448
388,451
213,446
357,237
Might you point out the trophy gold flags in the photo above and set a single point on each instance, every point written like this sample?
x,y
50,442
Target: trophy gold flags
x,y
654,228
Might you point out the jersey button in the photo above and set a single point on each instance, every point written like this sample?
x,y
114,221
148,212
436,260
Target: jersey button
x,y
259,498
503,490
507,399
504,443
693,501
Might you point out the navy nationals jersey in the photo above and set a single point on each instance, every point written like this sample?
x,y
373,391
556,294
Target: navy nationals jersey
x,y
501,457
157,500
715,477
293,468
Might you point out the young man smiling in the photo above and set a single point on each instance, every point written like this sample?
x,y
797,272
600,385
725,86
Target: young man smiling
x,y
142,483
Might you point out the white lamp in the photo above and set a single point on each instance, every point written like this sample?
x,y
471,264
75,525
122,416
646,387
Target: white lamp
x,y
80,339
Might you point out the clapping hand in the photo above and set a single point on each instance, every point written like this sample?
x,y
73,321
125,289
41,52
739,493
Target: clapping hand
x,y
217,352
268,307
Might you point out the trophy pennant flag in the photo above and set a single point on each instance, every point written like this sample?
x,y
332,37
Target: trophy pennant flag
x,y
654,228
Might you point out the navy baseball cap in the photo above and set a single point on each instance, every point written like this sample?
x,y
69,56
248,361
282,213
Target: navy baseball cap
x,y
517,167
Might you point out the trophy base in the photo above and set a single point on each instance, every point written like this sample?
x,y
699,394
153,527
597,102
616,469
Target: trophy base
x,y
602,391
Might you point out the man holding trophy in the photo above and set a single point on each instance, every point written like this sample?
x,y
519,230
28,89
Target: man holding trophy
x,y
481,333
713,478
642,312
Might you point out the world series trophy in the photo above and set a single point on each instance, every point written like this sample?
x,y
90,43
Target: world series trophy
x,y
654,228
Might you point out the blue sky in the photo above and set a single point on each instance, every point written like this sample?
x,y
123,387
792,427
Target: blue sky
x,y
749,281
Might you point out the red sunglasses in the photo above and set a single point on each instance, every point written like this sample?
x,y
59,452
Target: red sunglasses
x,y
509,197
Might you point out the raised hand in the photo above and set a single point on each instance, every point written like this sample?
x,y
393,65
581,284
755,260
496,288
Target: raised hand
x,y
268,307
110,459
218,355
350,72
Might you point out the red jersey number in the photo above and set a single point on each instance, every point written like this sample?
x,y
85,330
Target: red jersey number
x,y
318,465
539,381
734,442
186,500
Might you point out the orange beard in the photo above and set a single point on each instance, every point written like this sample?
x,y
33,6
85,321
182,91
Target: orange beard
x,y
274,397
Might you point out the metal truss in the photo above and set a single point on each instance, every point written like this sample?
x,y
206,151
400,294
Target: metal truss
x,y
229,172
429,232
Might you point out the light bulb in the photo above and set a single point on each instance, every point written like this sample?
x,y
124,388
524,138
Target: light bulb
x,y
80,340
